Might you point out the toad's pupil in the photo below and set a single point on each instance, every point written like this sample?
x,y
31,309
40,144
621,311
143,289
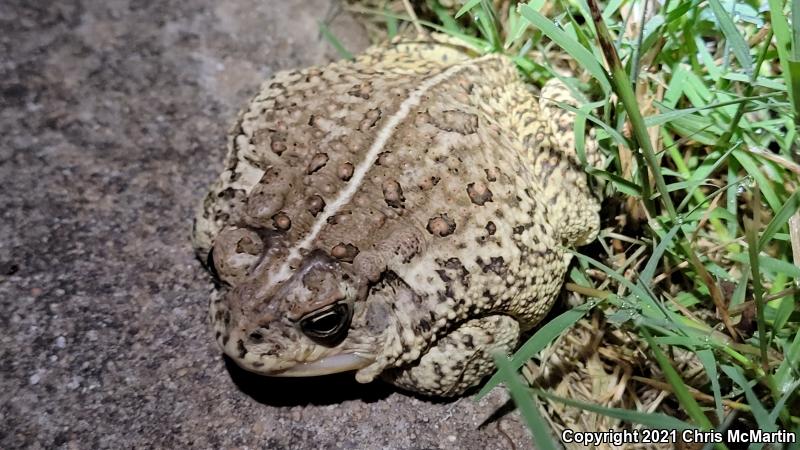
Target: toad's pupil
x,y
328,327
326,323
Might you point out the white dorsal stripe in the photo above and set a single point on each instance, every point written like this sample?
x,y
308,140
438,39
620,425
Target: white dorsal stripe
x,y
346,194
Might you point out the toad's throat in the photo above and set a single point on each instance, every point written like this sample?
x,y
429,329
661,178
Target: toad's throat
x,y
325,366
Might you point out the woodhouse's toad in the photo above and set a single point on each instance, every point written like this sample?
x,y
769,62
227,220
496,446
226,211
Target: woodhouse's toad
x,y
402,215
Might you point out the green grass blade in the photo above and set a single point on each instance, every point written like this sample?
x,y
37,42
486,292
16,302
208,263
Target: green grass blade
x,y
706,358
735,39
648,305
741,289
516,27
448,22
758,292
679,387
391,26
780,220
468,6
769,264
783,35
337,45
627,96
622,185
542,436
783,314
757,408
764,184
486,19
649,270
616,135
583,56
674,114
789,366
779,405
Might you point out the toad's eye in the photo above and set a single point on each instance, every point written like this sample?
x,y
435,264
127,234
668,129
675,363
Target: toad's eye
x,y
329,326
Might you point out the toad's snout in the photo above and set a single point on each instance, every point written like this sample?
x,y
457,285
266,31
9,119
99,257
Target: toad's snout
x,y
318,282
291,327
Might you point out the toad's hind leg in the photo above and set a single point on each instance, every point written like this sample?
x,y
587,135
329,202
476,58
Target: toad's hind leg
x,y
562,122
459,360
571,201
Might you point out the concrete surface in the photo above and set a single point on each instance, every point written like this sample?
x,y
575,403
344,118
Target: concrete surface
x,y
112,123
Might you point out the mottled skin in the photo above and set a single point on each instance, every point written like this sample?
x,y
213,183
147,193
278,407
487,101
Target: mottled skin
x,y
402,215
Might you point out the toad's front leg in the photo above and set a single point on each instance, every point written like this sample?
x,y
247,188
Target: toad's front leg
x,y
460,359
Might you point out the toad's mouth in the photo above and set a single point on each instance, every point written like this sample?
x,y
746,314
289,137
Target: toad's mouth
x,y
325,366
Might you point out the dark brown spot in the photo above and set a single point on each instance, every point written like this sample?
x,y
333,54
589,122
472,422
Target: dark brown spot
x,y
495,264
393,193
428,182
278,147
441,225
370,119
281,221
468,341
240,348
315,205
362,91
385,159
227,193
491,228
317,162
339,217
459,121
437,369
454,264
345,171
479,193
344,252
249,245
491,174
424,326
444,276
255,336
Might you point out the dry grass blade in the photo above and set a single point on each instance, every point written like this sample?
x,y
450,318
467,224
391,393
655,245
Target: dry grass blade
x,y
414,19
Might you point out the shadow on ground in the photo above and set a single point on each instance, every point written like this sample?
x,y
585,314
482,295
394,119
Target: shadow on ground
x,y
287,391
